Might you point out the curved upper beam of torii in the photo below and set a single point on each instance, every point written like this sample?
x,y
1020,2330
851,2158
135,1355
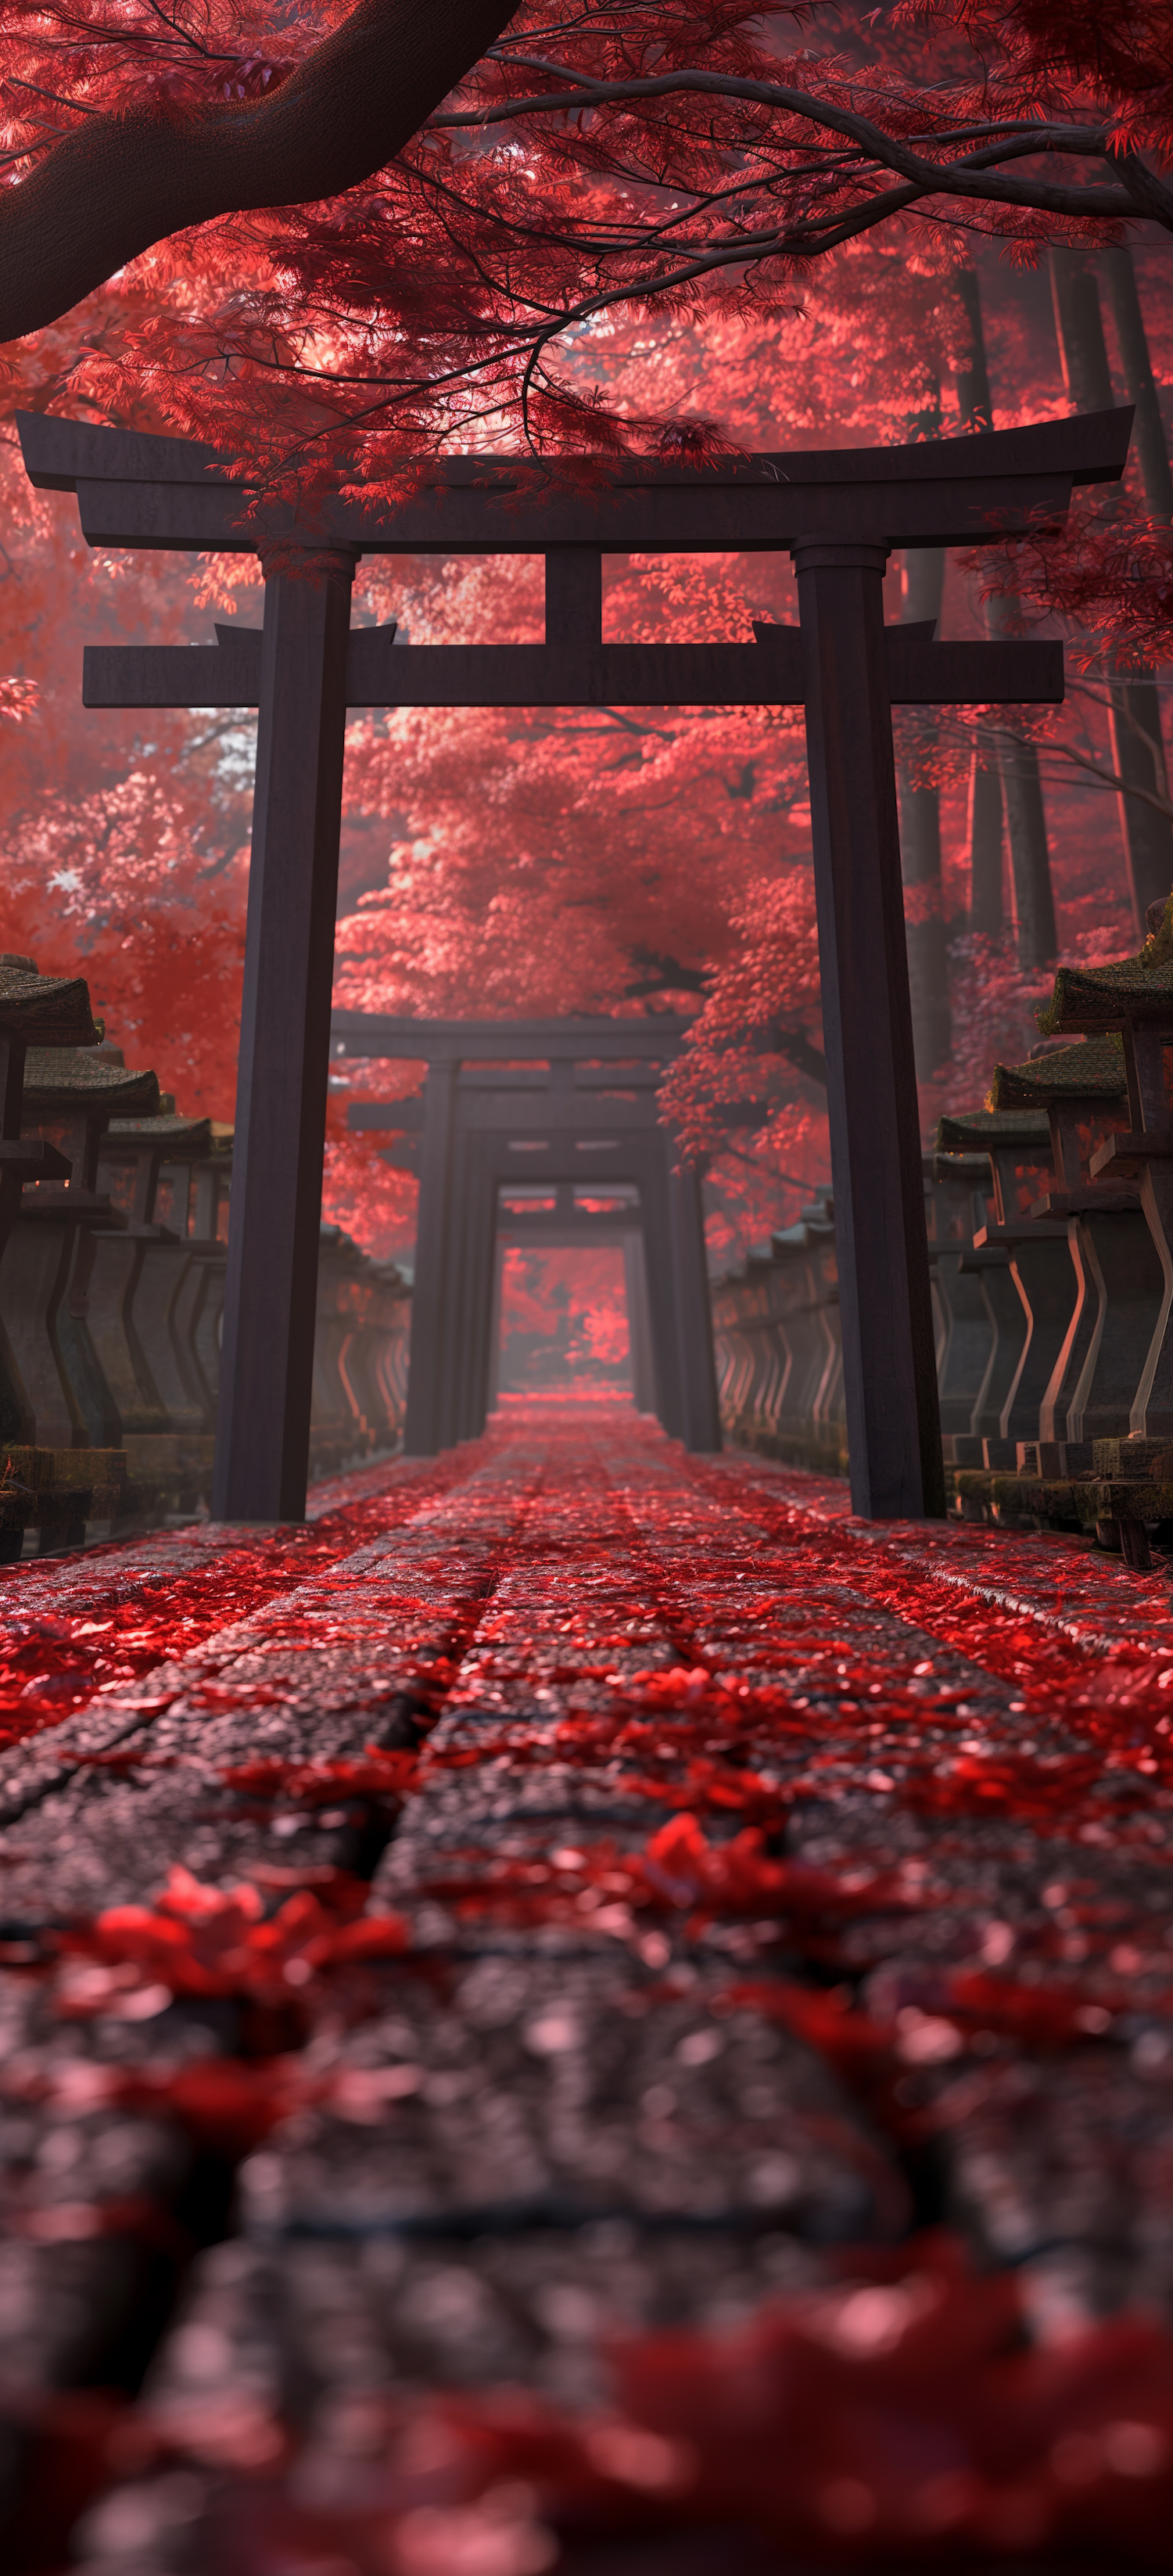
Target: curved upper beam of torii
x,y
838,513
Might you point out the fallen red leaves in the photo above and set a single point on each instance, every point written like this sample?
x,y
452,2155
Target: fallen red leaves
x,y
907,2415
899,2412
374,1774
677,1873
200,1940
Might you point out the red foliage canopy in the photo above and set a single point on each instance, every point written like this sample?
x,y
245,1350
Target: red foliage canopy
x,y
681,228
412,287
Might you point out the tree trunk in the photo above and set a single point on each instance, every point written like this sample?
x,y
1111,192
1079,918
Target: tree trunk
x,y
1134,725
1148,437
1026,821
1079,329
971,378
986,910
985,783
920,851
127,179
1020,791
1134,715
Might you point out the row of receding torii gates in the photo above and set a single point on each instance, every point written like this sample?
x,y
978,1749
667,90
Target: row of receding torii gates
x,y
839,514
543,1132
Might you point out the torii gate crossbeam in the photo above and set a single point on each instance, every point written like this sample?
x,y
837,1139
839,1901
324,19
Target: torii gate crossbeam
x,y
838,513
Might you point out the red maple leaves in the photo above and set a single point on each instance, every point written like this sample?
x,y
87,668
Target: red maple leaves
x,y
198,1940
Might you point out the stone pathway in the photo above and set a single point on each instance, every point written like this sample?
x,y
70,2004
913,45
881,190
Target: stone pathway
x,y
515,1991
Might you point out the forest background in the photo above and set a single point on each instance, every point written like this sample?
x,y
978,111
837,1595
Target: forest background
x,y
601,860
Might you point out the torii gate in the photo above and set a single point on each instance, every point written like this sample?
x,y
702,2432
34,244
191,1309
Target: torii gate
x,y
490,1119
838,513
565,1225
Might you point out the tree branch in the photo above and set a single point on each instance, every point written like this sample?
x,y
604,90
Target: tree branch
x,y
664,974
1111,778
1142,193
125,180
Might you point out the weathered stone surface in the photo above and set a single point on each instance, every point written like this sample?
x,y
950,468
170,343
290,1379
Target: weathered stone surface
x,y
537,2132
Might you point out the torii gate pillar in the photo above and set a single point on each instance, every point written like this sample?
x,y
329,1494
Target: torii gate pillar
x,y
421,1435
270,1305
889,1366
701,1426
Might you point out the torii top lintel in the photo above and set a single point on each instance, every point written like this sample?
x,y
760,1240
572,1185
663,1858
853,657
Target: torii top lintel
x,y
585,1040
171,493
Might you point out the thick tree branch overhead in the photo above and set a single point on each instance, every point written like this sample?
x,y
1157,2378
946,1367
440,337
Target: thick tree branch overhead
x,y
121,181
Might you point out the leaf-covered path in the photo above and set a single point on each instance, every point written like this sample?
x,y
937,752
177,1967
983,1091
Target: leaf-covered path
x,y
585,2011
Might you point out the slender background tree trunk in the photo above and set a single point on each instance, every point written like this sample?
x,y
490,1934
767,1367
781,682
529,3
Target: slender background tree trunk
x,y
986,909
1019,789
1148,437
920,851
1134,707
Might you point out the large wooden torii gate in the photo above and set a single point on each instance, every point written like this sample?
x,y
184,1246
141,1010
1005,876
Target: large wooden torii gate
x,y
838,513
556,1102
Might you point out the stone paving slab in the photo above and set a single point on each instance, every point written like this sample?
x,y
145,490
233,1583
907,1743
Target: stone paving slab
x,y
564,2087
319,1671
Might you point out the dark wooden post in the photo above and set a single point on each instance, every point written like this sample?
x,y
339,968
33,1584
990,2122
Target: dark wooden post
x,y
574,598
660,1279
474,1284
500,1256
262,1442
639,1331
454,1367
421,1436
698,1372
889,1369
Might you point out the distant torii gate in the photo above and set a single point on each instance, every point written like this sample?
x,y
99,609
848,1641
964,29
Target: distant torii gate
x,y
522,1103
567,1226
838,513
